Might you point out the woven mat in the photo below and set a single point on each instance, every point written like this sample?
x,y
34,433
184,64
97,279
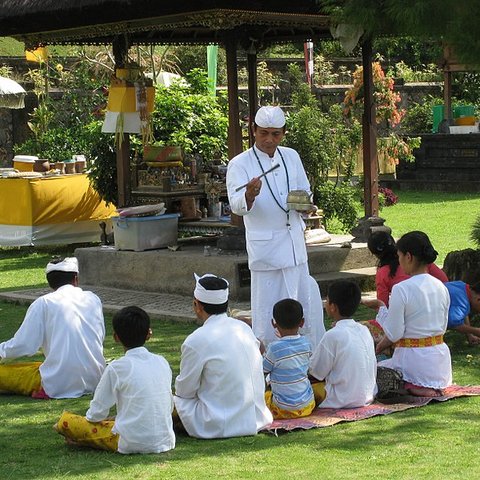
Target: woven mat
x,y
325,417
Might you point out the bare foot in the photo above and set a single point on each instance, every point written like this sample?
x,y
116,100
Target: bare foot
x,y
424,392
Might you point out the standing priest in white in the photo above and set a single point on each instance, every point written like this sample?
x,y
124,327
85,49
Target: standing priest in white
x,y
220,391
277,254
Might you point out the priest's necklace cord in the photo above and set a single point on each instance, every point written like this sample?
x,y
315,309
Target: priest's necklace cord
x,y
268,183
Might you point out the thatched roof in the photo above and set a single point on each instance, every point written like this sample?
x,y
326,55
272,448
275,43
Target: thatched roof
x,y
158,21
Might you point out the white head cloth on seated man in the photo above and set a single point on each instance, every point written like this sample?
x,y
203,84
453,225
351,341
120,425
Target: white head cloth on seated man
x,y
220,389
68,325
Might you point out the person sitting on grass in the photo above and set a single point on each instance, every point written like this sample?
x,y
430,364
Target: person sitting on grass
x,y
68,325
139,385
220,391
286,361
344,361
416,321
389,272
464,301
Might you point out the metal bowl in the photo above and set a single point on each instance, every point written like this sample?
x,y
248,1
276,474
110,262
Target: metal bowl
x,y
300,207
299,200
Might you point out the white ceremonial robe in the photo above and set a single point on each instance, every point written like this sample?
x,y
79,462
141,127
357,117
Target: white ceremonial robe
x,y
220,389
345,359
277,254
68,326
139,384
419,309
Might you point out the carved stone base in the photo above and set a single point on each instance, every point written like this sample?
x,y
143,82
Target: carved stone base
x,y
366,226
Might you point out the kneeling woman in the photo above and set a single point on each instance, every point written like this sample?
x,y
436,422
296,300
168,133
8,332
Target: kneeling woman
x,y
416,321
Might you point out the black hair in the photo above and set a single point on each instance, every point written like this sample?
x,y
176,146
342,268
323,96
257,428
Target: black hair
x,y
214,283
57,278
132,325
288,313
475,287
346,295
382,245
418,245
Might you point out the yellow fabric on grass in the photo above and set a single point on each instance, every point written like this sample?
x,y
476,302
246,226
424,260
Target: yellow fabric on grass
x,y
89,434
20,378
279,413
319,392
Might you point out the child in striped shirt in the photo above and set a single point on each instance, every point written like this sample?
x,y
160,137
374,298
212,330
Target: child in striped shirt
x,y
286,361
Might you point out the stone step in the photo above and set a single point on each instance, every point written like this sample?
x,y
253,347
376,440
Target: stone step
x,y
171,272
340,254
364,277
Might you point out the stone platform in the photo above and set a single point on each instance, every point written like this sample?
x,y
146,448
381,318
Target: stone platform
x,y
171,272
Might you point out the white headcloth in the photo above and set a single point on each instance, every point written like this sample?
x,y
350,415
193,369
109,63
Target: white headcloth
x,y
69,264
214,297
270,117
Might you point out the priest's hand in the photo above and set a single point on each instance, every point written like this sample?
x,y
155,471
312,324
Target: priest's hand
x,y
252,190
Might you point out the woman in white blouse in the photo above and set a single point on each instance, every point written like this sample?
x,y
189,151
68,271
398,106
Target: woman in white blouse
x,y
416,321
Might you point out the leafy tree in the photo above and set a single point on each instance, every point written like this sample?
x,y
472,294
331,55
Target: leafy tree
x,y
328,145
186,115
455,22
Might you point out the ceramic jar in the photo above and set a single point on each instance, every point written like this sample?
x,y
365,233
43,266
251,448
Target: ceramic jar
x,y
60,166
69,167
41,165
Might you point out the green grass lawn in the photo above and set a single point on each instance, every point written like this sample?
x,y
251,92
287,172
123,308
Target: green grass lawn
x,y
434,442
447,218
437,441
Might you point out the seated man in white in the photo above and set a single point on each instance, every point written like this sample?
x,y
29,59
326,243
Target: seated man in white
x,y
67,325
220,389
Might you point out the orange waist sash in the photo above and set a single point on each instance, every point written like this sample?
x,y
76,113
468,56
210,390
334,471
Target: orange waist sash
x,y
420,342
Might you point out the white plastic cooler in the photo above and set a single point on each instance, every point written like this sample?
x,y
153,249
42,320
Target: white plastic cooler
x,y
145,233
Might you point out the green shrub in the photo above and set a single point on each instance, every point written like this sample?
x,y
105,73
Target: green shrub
x,y
328,146
102,156
339,202
186,115
419,117
475,234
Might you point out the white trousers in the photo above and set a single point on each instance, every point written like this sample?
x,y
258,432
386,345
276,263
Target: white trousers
x,y
268,287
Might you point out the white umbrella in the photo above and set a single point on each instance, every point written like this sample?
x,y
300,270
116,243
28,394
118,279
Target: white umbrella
x,y
12,95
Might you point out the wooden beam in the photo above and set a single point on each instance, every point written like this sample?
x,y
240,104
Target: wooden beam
x,y
447,95
124,187
234,130
369,135
123,172
252,93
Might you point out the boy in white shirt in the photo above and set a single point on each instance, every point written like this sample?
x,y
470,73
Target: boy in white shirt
x,y
345,357
139,384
